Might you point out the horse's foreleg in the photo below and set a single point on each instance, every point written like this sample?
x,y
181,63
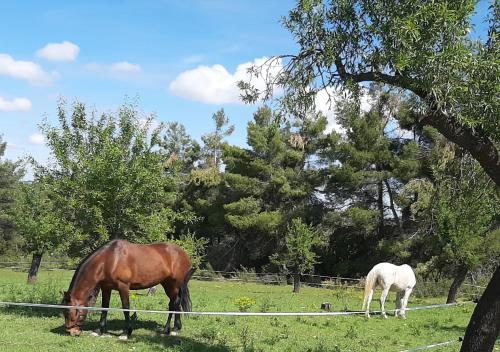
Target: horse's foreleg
x,y
383,296
124,295
106,296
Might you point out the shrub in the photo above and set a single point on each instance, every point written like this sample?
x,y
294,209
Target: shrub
x,y
244,303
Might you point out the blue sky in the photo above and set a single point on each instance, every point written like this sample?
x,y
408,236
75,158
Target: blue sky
x,y
180,58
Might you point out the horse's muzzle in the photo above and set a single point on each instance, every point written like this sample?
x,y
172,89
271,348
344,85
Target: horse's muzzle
x,y
75,330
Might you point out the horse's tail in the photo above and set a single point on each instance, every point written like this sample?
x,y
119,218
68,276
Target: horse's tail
x,y
184,292
370,282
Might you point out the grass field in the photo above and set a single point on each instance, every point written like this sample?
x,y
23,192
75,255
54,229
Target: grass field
x,y
28,329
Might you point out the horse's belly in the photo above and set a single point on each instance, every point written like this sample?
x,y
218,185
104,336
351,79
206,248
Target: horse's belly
x,y
142,277
143,286
397,288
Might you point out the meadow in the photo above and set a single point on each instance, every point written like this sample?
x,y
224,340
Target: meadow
x,y
29,329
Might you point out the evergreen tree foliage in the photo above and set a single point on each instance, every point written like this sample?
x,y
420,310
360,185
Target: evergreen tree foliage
x,y
272,182
367,168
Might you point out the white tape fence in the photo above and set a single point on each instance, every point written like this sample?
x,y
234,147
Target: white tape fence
x,y
112,309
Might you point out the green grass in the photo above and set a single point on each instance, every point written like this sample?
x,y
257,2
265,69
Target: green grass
x,y
28,329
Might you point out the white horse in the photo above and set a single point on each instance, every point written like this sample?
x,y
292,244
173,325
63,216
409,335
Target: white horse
x,y
389,277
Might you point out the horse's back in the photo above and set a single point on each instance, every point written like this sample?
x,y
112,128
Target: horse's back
x,y
145,265
399,276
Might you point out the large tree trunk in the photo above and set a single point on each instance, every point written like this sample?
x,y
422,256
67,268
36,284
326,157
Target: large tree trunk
x,y
35,265
457,282
472,140
296,283
484,324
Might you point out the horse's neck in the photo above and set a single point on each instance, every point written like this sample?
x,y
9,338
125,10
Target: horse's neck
x,y
85,282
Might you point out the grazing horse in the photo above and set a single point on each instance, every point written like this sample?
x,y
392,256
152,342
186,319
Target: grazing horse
x,y
124,266
389,277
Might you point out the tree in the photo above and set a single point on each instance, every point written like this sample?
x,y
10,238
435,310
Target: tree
x,y
108,178
214,141
42,230
203,190
461,218
10,176
420,48
273,181
298,256
367,166
182,152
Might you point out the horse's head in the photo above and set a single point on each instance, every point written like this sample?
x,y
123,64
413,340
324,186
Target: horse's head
x,y
73,317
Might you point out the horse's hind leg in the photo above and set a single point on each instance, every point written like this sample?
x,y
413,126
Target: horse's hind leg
x,y
383,296
399,303
124,295
368,302
174,305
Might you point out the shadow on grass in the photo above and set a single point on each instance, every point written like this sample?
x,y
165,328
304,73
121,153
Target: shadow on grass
x,y
115,326
180,343
32,311
455,328
156,340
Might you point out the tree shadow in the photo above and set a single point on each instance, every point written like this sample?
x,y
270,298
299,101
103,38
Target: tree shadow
x,y
455,328
180,343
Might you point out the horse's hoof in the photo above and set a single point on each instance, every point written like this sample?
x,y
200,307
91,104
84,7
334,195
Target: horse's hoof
x,y
174,333
384,316
123,337
94,333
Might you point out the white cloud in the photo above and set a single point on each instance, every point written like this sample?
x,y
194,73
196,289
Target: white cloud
x,y
116,69
215,85
65,51
37,139
327,100
16,104
125,66
25,70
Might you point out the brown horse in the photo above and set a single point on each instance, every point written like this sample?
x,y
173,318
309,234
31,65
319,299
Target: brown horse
x,y
124,266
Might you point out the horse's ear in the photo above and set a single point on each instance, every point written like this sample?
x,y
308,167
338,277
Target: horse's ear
x,y
67,295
